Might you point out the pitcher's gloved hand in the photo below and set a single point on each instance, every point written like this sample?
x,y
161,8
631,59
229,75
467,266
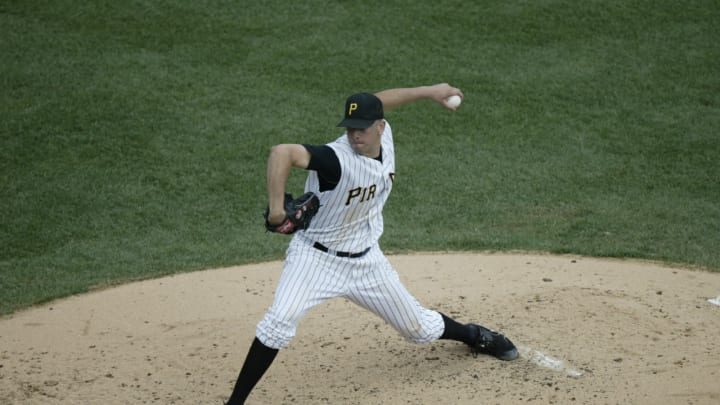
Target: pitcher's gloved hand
x,y
298,213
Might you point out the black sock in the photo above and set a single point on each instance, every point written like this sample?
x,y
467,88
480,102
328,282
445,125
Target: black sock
x,y
258,360
456,331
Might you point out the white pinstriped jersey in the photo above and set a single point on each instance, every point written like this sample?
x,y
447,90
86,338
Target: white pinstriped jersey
x,y
350,216
349,220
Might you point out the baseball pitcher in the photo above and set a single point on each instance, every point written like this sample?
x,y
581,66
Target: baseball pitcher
x,y
336,226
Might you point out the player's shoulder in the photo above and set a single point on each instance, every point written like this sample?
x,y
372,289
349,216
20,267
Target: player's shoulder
x,y
321,153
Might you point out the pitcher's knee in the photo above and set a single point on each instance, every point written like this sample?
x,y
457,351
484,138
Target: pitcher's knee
x,y
274,333
420,334
421,337
426,328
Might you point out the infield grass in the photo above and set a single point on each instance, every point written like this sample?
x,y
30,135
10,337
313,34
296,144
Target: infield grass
x,y
134,135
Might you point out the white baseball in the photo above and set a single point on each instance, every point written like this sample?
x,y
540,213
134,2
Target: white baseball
x,y
454,101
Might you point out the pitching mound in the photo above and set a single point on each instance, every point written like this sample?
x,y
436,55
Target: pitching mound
x,y
589,331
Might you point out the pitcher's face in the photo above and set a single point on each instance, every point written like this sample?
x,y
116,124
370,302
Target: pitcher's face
x,y
367,141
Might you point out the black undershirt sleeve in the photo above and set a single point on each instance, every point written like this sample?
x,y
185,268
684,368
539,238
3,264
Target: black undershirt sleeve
x,y
325,162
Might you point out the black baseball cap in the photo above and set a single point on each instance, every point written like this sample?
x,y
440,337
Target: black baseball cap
x,y
361,110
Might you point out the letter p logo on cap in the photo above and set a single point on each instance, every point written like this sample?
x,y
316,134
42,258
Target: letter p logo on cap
x,y
352,107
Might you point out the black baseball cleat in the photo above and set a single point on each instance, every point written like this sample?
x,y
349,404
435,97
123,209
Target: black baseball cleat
x,y
493,343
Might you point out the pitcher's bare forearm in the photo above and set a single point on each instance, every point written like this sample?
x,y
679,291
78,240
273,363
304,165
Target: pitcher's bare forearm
x,y
393,98
282,159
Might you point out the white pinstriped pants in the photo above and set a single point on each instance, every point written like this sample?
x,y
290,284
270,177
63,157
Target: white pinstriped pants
x,y
310,277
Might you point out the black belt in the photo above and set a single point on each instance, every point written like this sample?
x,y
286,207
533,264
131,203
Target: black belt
x,y
320,246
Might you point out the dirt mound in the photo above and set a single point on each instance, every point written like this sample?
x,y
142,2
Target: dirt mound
x,y
589,331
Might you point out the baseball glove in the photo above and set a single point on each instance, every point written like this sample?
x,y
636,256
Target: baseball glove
x,y
298,213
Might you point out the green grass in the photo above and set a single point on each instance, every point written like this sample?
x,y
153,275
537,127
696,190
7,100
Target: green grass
x,y
134,134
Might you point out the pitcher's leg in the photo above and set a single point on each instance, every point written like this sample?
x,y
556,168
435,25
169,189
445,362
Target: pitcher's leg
x,y
304,283
258,360
381,292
